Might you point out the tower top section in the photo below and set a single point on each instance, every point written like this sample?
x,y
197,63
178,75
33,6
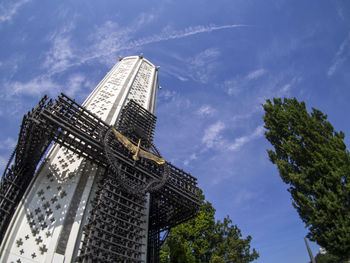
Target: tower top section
x,y
140,57
131,78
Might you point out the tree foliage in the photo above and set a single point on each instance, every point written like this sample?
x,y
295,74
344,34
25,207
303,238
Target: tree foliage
x,y
312,159
327,258
202,239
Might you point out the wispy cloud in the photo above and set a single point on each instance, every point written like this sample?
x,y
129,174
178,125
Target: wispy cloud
x,y
240,141
340,56
7,144
3,162
212,134
62,52
236,85
73,86
145,18
203,58
285,88
232,87
60,56
187,32
76,83
9,67
112,39
107,39
199,67
36,86
256,74
192,157
263,83
57,59
203,64
176,72
167,95
165,35
205,110
7,12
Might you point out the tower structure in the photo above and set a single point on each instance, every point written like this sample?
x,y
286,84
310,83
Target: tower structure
x,y
103,193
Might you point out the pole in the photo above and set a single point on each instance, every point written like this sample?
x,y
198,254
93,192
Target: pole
x,y
309,250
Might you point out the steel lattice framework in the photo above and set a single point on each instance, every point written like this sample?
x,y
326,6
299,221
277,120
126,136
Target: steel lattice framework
x,y
113,232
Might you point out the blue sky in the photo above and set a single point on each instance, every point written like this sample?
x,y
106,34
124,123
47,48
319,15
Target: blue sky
x,y
219,61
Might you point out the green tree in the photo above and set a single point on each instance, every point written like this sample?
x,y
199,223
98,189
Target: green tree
x,y
201,239
312,159
326,258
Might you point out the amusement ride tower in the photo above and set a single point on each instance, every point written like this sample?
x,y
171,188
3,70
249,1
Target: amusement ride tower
x,y
102,193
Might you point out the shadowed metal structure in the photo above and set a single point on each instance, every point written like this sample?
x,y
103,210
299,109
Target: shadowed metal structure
x,y
115,227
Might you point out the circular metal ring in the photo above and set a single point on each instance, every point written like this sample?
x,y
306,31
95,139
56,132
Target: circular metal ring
x,y
127,184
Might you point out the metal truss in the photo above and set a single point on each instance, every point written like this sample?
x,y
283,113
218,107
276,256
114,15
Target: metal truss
x,y
118,219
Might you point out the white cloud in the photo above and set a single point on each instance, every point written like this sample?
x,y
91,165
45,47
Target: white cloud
x,y
275,86
10,66
145,18
202,59
240,141
75,83
238,84
112,39
205,110
232,87
212,134
202,65
177,72
199,67
167,94
192,157
245,116
8,144
107,39
285,89
46,85
181,77
255,74
3,162
7,12
340,56
36,86
62,53
168,34
190,31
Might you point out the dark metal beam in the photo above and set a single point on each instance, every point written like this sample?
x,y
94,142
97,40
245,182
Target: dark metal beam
x,y
67,123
